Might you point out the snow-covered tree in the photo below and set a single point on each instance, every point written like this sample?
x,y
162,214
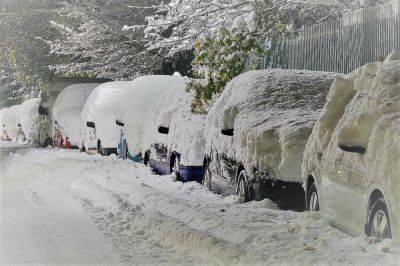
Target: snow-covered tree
x,y
97,38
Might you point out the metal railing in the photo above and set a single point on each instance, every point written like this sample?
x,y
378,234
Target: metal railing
x,y
342,45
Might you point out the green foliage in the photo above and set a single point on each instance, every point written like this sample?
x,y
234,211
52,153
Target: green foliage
x,y
219,60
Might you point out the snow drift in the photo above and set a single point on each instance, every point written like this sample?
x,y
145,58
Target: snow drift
x,y
68,108
363,109
272,113
140,104
9,119
28,117
186,130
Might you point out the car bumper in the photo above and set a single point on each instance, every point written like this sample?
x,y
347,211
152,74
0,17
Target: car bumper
x,y
186,173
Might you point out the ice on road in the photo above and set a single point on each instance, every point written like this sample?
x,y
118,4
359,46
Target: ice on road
x,y
64,207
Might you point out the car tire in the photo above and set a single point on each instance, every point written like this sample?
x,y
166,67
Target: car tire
x,y
207,177
378,220
146,159
99,148
242,188
312,198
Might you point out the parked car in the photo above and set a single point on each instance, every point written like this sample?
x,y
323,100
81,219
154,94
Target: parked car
x,y
28,119
137,111
256,133
178,140
351,163
3,132
9,121
98,116
66,114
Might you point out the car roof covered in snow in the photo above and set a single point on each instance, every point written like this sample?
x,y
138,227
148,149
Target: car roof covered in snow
x,y
67,110
272,113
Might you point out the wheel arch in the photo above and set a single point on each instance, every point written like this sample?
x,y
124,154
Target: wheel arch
x,y
310,181
240,168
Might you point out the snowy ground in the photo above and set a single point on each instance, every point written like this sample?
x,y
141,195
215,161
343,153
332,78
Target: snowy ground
x,y
66,207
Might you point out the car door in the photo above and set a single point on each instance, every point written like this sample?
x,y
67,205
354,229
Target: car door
x,y
342,189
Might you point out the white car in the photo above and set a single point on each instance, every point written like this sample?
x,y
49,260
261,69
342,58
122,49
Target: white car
x,y
28,119
257,131
67,111
9,120
137,112
351,163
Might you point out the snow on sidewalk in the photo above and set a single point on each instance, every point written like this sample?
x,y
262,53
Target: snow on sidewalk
x,y
177,223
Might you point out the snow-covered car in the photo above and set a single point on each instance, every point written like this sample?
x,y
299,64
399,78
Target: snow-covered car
x,y
3,132
101,132
9,121
256,133
351,163
178,135
28,119
137,113
66,114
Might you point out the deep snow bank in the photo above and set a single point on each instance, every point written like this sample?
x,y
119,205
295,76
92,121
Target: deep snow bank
x,y
9,119
140,105
68,108
363,109
126,200
186,130
272,113
28,117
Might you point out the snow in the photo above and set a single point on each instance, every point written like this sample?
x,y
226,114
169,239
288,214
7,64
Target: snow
x,y
9,119
67,207
186,130
363,110
67,111
28,117
141,104
99,109
272,113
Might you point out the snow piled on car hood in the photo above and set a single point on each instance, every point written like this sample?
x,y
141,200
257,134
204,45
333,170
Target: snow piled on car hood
x,y
28,117
186,130
137,105
67,111
363,109
272,113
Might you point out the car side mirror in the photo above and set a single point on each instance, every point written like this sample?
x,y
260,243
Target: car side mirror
x,y
353,149
91,124
119,123
163,130
227,132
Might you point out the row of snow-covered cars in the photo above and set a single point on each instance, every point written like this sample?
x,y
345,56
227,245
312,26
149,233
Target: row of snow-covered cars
x,y
289,135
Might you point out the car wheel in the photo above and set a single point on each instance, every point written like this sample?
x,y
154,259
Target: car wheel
x,y
242,189
313,198
378,220
146,159
99,148
207,177
175,168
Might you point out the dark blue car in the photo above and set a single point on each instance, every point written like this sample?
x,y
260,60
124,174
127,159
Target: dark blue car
x,y
163,160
